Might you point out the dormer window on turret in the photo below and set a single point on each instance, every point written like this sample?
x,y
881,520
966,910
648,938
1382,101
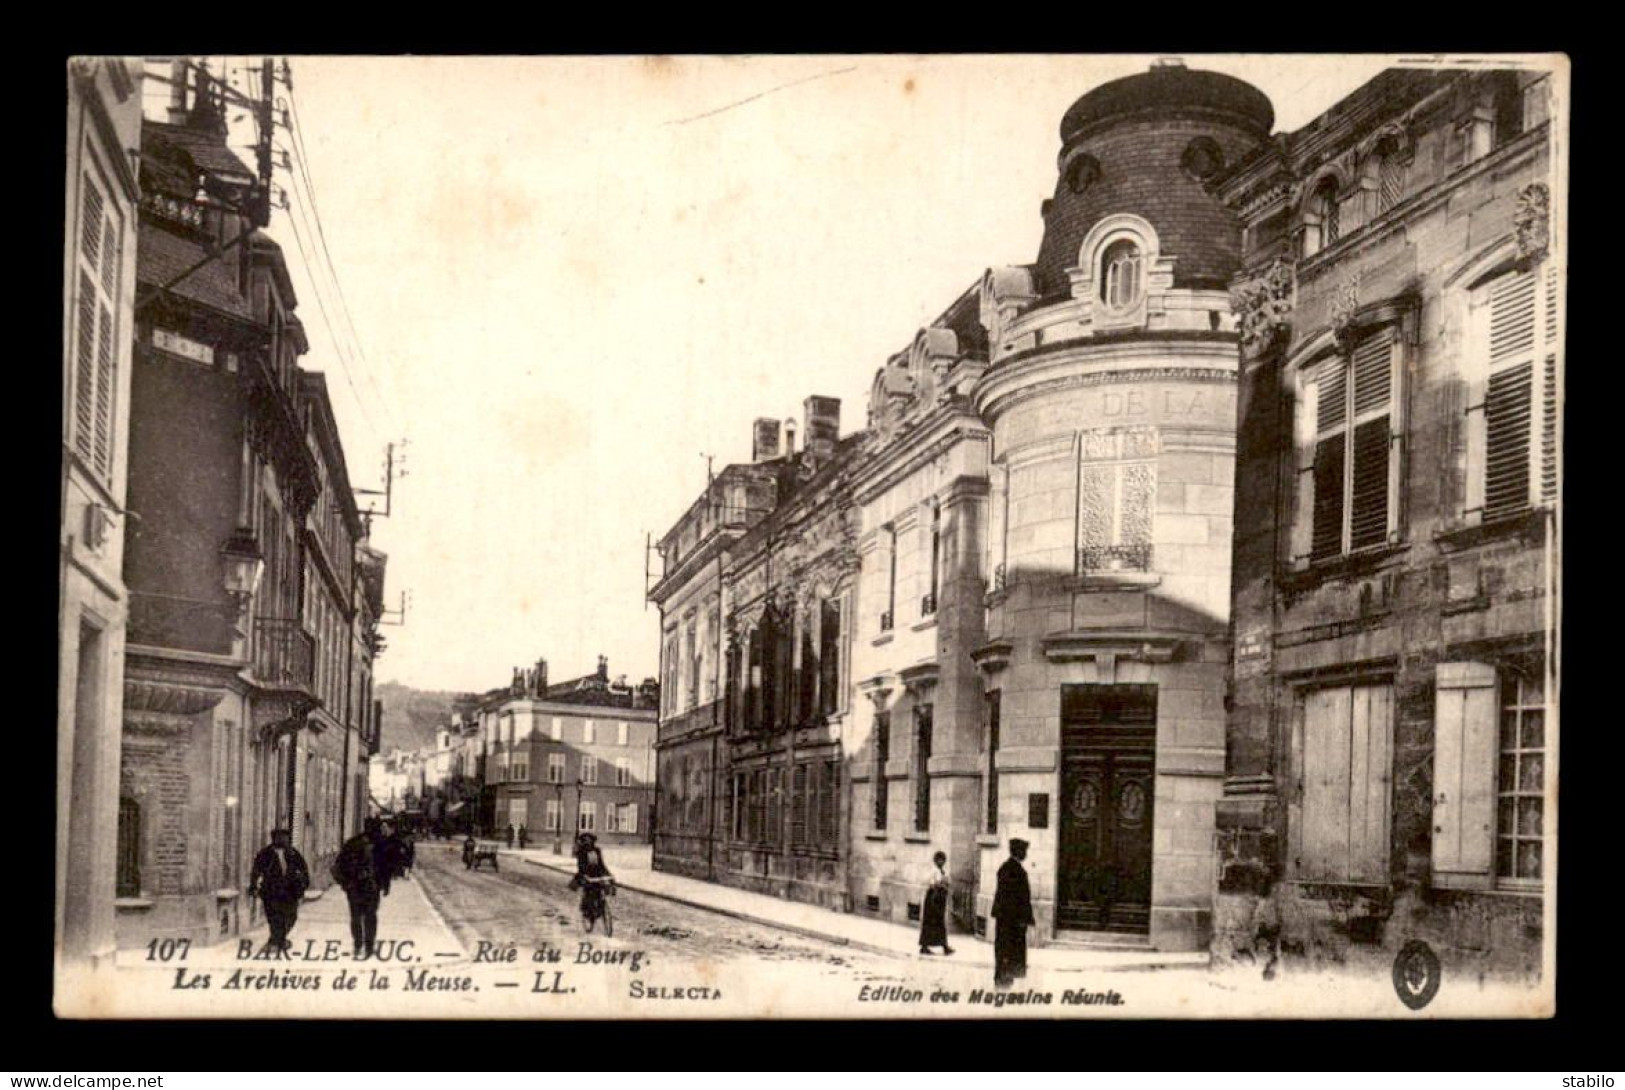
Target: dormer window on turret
x,y
1120,274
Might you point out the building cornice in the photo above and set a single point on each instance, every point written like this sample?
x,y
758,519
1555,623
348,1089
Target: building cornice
x,y
1084,363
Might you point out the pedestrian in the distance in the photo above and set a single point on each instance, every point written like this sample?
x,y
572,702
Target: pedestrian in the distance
x,y
1013,913
510,836
356,872
468,852
409,855
279,878
934,913
523,838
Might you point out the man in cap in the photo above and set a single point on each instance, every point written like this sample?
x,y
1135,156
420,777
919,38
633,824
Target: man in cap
x,y
1013,913
356,872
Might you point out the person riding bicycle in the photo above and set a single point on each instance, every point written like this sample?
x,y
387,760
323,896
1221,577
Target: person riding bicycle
x,y
592,875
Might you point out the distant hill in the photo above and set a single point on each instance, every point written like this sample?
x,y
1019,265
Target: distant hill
x,y
411,716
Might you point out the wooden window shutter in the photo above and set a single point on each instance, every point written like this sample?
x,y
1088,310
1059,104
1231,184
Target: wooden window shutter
x,y
1370,737
1372,366
1325,785
1464,724
829,656
1301,543
103,445
1347,734
1549,393
798,805
84,384
1508,402
1330,459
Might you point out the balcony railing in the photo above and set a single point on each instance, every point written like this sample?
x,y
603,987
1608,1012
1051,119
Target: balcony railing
x,y
284,653
886,621
1112,558
928,605
178,209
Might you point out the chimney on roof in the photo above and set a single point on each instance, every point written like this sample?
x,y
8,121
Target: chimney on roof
x,y
823,416
541,677
178,78
603,667
789,435
764,439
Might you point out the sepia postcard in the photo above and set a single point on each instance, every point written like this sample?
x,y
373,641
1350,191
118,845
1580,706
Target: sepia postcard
x,y
811,536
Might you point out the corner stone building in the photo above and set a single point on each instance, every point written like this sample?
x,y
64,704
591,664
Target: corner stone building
x,y
1388,772
1111,398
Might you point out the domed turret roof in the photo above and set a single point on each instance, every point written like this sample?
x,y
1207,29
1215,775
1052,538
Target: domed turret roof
x,y
1168,87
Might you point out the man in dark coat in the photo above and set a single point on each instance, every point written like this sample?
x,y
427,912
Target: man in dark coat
x,y
279,878
356,872
389,856
1013,911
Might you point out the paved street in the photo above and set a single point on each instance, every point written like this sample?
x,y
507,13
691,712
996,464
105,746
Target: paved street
x,y
531,905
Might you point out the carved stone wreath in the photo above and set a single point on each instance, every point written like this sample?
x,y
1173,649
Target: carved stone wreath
x,y
1263,305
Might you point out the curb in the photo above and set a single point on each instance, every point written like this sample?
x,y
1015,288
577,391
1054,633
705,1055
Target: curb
x,y
824,936
804,932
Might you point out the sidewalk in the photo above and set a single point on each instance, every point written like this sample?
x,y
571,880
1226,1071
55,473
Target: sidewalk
x,y
634,871
405,916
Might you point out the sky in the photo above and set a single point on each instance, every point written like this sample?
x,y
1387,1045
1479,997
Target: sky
x,y
565,282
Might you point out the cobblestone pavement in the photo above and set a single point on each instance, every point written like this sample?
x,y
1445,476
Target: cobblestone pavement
x,y
531,905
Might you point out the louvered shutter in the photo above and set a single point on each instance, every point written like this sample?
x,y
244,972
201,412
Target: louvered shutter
x,y
1464,755
1301,543
1549,444
84,382
103,447
798,806
1508,402
1330,459
1372,366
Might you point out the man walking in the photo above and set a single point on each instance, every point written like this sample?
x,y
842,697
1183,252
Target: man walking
x,y
356,872
1013,911
279,878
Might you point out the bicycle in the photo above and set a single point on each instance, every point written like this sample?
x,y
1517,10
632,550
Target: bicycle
x,y
595,896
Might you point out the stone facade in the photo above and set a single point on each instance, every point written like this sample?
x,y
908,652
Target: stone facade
x,y
98,290
1388,769
922,495
1111,398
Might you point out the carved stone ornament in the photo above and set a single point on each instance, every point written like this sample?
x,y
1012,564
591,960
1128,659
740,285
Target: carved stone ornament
x,y
1531,221
1345,302
1263,305
173,700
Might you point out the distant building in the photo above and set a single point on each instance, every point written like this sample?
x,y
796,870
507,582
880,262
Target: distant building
x,y
577,756
98,292
756,606
1388,771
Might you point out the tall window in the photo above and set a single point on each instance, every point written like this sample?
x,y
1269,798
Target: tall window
x,y
922,769
589,733
557,731
128,883
691,695
888,618
1324,206
623,771
1117,484
929,605
95,335
1343,776
551,816
1120,274
1390,174
1512,416
555,768
587,819
589,770
623,733
829,656
1520,782
882,755
992,713
1348,476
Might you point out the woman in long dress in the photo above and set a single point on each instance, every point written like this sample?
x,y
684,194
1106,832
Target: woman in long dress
x,y
934,913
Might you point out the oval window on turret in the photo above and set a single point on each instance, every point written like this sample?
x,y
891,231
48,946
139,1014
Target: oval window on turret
x,y
1203,158
1120,274
1082,173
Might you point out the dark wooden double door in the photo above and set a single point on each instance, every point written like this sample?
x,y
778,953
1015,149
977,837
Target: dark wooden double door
x,y
1108,787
